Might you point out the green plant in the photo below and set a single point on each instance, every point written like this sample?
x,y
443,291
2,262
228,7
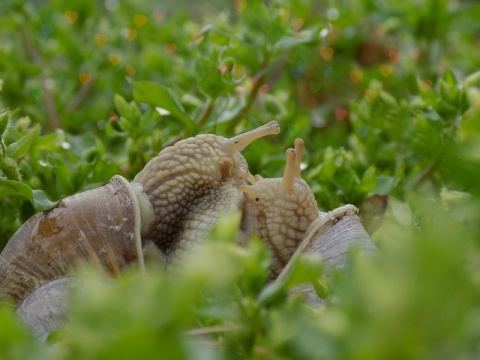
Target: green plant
x,y
387,99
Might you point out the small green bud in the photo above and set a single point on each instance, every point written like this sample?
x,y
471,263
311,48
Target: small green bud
x,y
4,120
10,169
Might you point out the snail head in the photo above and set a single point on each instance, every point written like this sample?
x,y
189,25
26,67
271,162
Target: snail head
x,y
280,210
190,183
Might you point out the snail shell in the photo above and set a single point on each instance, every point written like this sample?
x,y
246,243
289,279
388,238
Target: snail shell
x,y
96,226
331,237
45,309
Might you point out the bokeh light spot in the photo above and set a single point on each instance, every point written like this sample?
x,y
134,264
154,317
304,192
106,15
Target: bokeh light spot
x,y
130,34
394,56
326,53
100,39
297,23
140,20
355,75
341,114
425,84
333,14
263,90
115,58
371,94
85,78
158,16
170,48
284,14
386,70
130,70
240,5
71,16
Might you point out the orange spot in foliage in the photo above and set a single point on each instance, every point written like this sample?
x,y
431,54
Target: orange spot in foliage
x,y
140,20
100,39
240,5
326,53
371,94
85,77
355,76
341,114
71,16
297,23
262,90
158,16
130,70
130,34
115,59
425,84
394,56
386,70
170,48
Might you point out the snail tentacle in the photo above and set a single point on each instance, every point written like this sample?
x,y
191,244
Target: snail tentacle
x,y
240,142
288,180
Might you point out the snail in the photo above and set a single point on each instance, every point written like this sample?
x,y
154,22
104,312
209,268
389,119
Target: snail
x,y
280,210
168,207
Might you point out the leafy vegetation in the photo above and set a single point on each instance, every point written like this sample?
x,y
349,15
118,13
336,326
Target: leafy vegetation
x,y
386,96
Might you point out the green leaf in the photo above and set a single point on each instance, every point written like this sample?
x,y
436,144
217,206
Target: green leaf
x,y
19,148
158,95
288,42
36,197
4,118
121,105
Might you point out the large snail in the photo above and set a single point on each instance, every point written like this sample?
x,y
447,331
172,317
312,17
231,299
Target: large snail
x,y
170,205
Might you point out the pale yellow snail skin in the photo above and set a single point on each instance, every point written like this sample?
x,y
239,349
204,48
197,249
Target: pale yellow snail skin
x,y
190,184
280,210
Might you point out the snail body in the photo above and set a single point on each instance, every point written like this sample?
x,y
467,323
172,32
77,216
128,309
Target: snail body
x,y
280,210
188,185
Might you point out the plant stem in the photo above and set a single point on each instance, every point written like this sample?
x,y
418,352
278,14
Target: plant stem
x,y
80,96
207,110
258,81
47,94
427,173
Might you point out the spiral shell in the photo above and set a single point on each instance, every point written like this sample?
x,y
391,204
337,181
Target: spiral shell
x,y
331,237
50,244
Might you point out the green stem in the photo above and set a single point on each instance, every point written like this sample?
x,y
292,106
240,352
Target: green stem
x,y
47,94
258,81
207,110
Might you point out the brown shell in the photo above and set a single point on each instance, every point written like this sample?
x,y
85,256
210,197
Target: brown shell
x,y
51,243
341,231
336,233
46,309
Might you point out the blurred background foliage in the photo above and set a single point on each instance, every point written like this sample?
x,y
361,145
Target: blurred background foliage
x,y
386,95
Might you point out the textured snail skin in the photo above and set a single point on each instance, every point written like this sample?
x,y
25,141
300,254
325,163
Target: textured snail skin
x,y
190,184
280,211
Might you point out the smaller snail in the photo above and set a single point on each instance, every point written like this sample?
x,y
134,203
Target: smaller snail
x,y
280,210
